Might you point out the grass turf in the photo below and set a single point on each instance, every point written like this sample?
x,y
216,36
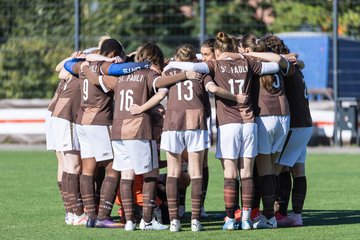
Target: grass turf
x,y
31,207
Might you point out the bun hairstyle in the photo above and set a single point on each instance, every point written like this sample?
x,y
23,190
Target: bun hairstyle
x,y
111,48
150,52
253,43
276,45
224,43
185,53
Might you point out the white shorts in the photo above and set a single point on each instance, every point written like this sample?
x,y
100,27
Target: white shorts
x,y
272,132
66,138
294,150
192,140
50,131
236,140
95,142
138,155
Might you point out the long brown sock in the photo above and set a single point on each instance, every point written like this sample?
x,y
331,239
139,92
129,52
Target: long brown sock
x,y
196,197
285,191
298,194
74,193
182,196
61,193
149,188
247,192
256,198
205,184
267,193
65,193
126,192
99,178
237,195
87,189
277,193
230,196
172,192
107,197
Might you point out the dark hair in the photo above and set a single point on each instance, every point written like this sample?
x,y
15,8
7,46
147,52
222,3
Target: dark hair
x,y
224,43
209,43
253,42
276,45
185,53
150,52
111,46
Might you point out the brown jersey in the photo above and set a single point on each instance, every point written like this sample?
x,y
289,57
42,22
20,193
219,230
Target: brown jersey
x,y
68,103
96,105
296,92
185,106
236,77
59,88
135,88
270,99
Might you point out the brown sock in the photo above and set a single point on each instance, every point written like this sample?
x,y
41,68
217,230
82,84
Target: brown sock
x,y
75,199
230,196
284,192
237,196
298,194
87,192
247,192
182,196
196,197
256,198
205,184
99,178
172,191
277,193
108,194
267,193
65,193
149,188
61,193
126,192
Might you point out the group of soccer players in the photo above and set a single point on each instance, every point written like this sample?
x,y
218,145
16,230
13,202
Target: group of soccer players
x,y
107,126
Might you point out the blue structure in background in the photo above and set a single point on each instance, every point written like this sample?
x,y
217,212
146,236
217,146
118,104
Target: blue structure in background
x,y
315,49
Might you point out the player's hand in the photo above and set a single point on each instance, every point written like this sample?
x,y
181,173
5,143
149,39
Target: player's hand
x,y
117,59
193,75
78,54
242,98
135,109
84,64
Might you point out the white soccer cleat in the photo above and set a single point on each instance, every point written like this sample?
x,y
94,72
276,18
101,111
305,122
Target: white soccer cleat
x,y
153,225
175,225
265,223
182,211
229,224
80,220
196,226
69,218
130,226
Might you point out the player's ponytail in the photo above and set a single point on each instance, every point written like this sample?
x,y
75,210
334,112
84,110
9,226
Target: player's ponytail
x,y
224,43
253,43
185,53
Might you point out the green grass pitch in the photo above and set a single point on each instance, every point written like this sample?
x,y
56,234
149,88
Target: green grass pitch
x,y
31,207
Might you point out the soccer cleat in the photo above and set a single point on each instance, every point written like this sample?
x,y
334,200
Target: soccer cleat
x,y
265,223
282,221
196,226
230,224
296,219
182,211
80,220
153,225
245,219
108,223
175,225
246,224
238,214
69,218
255,215
129,226
90,223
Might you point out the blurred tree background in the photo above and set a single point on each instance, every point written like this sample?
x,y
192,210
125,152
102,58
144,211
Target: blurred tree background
x,y
35,35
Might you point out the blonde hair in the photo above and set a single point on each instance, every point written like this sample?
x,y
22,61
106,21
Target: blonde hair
x,y
185,53
224,43
150,52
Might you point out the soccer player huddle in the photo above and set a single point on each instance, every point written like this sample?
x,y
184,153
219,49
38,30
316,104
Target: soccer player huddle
x,y
107,124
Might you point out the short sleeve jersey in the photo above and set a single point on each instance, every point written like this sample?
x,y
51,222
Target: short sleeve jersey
x,y
236,77
185,108
59,88
96,105
270,101
135,88
296,92
68,103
